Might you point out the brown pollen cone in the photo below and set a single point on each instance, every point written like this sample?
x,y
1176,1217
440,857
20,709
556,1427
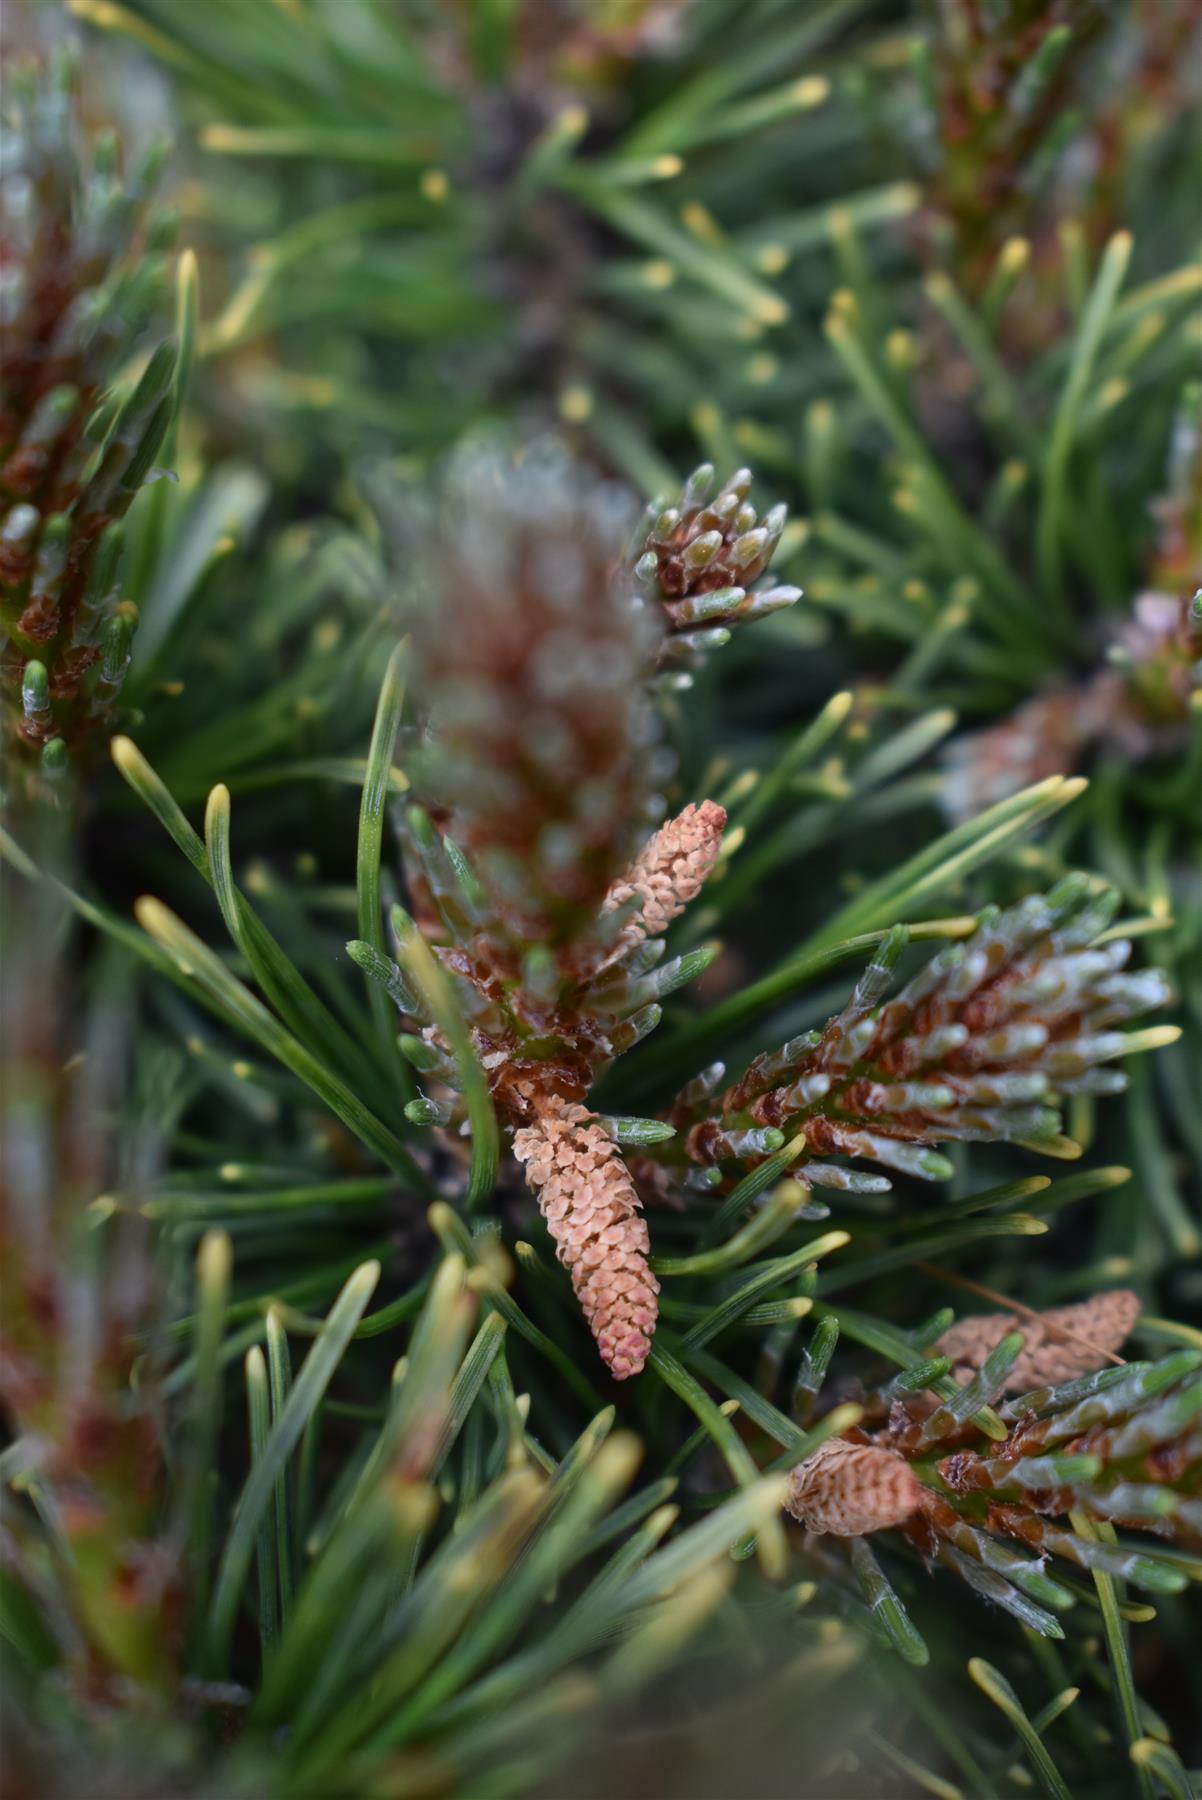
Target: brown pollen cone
x,y
1060,1344
670,870
847,1489
588,1199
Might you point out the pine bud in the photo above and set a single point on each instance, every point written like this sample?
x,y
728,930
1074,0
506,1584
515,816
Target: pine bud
x,y
981,1044
697,561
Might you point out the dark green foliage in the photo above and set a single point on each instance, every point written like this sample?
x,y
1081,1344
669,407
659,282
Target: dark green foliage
x,y
312,1481
82,414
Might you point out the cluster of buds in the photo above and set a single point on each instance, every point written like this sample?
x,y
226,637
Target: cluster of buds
x,y
530,864
1079,1451
981,1044
696,559
1140,703
1003,85
83,268
542,1032
540,1027
998,90
535,774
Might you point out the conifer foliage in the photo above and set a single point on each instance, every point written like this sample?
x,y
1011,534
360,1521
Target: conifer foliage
x,y
598,1124
85,275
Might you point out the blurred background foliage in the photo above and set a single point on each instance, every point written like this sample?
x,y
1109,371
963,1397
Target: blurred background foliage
x,y
933,271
